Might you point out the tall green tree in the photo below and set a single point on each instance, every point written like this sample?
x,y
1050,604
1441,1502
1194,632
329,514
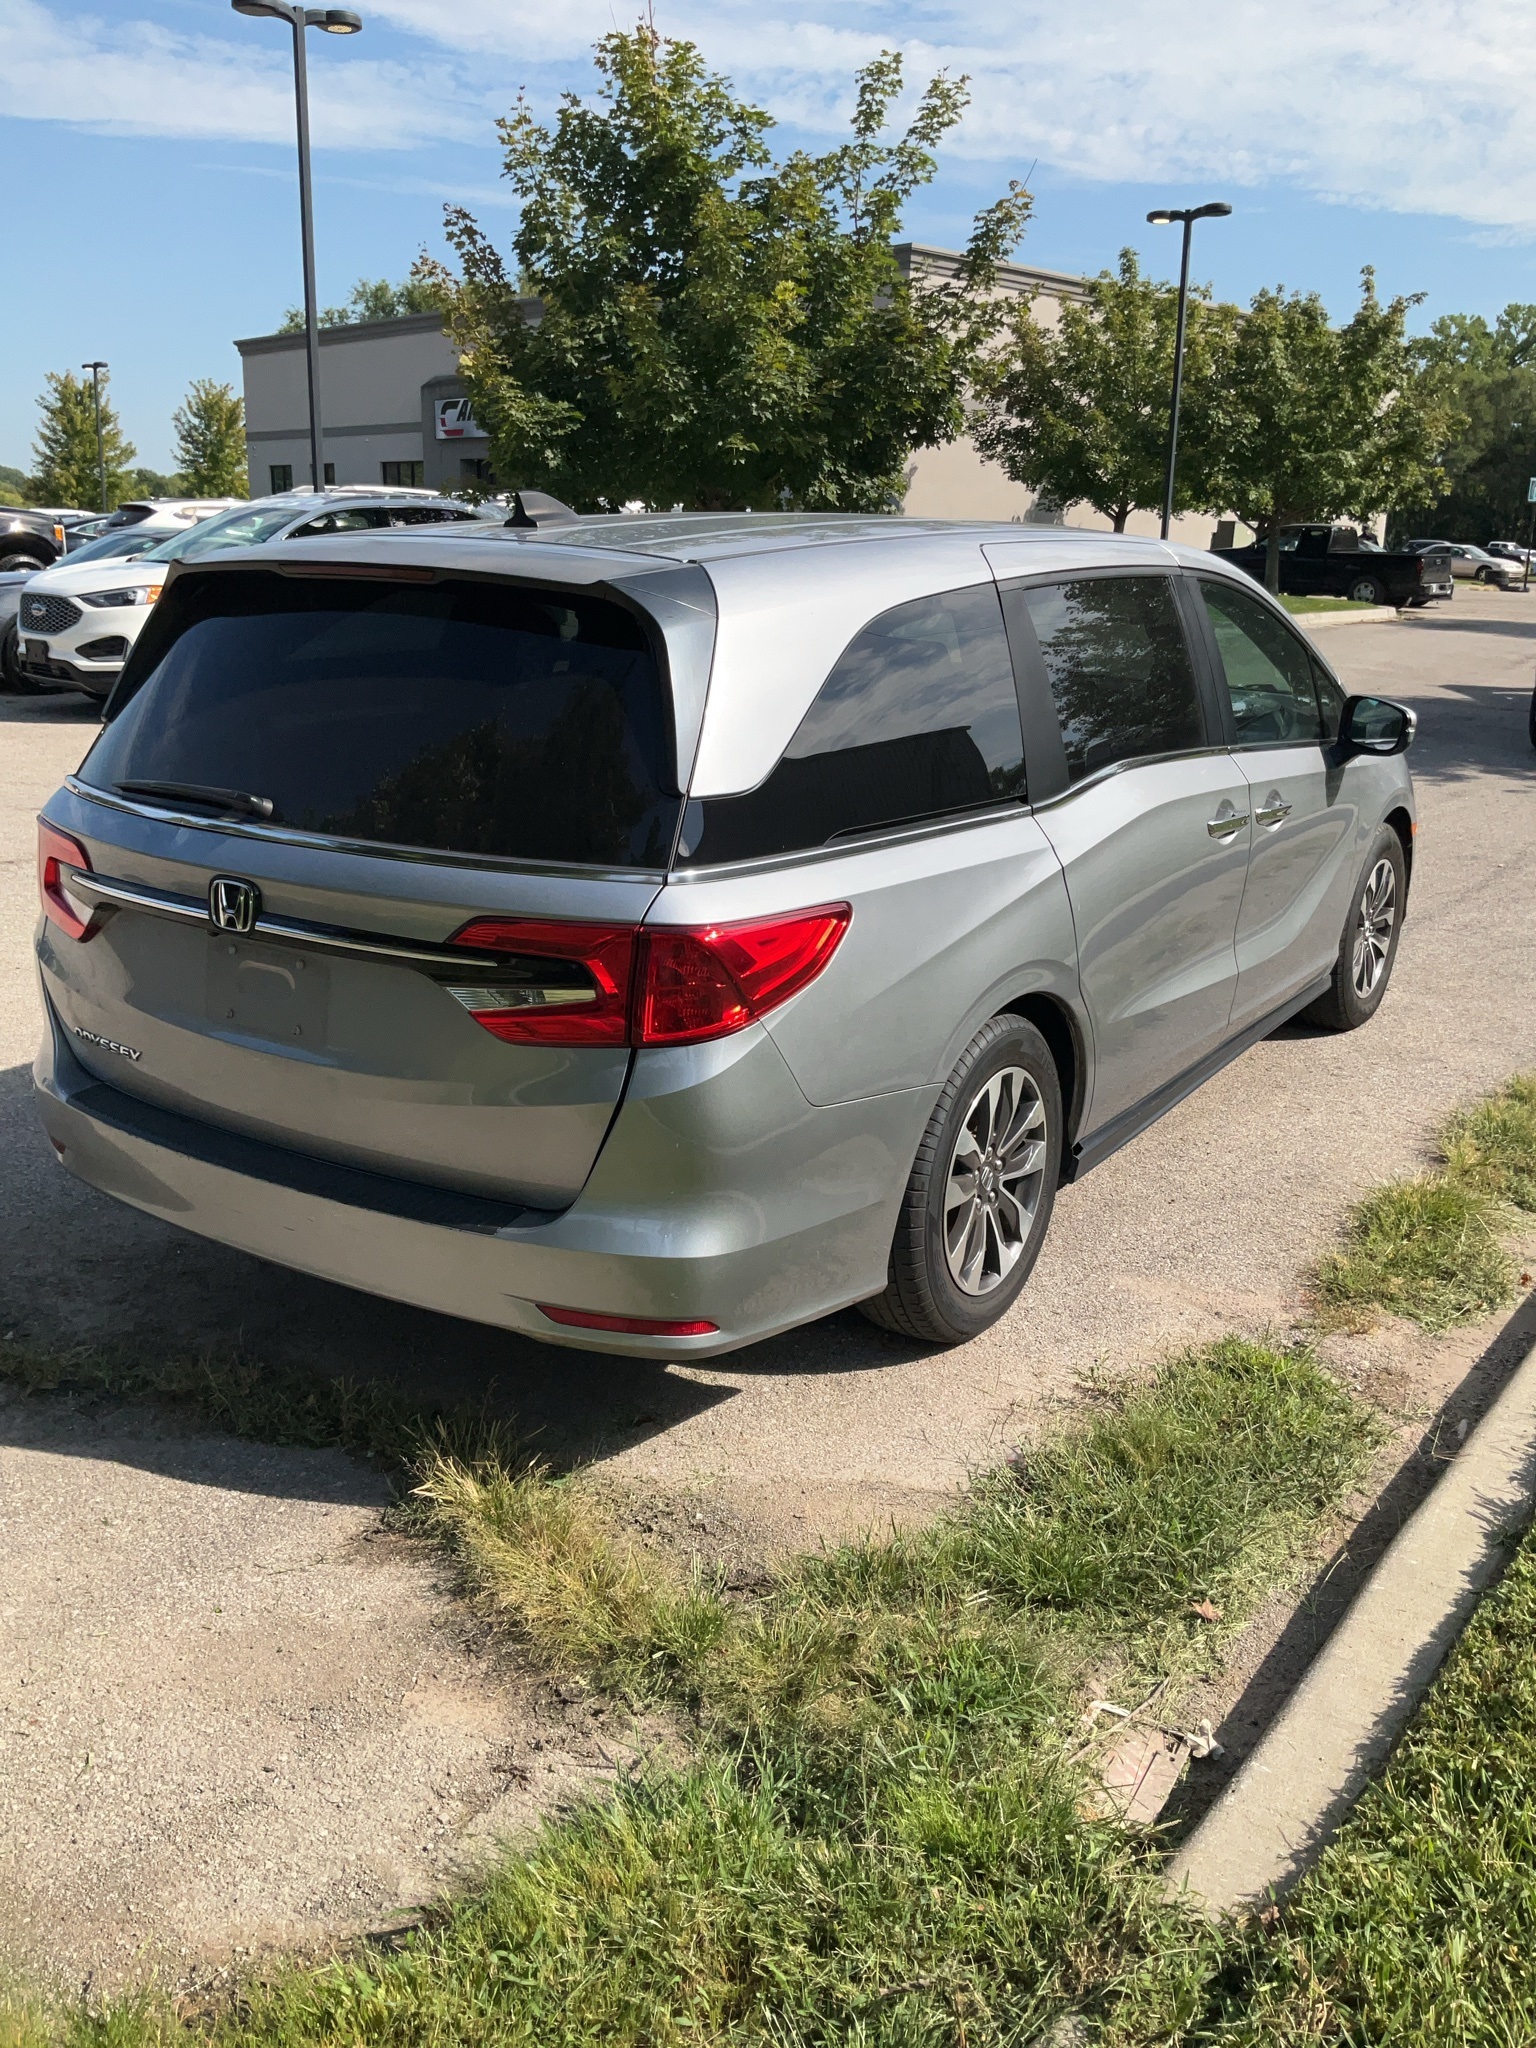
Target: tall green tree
x,y
714,328
1325,422
1489,376
210,441
64,469
1079,411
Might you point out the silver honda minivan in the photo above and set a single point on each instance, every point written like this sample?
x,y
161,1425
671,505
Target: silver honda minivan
x,y
653,933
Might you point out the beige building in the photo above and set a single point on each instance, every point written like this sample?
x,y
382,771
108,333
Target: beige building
x,y
394,412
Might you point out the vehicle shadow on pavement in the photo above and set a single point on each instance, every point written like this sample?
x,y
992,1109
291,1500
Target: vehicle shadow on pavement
x,y
1520,629
184,1448
81,1270
51,708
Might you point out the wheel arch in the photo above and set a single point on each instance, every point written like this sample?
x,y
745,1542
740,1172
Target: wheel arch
x,y
1063,1034
1402,824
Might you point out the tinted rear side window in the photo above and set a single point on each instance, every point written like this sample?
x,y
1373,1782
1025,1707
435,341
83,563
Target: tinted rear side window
x,y
920,717
457,716
1119,669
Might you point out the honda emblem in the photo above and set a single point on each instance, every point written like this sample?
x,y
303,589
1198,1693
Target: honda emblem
x,y
233,905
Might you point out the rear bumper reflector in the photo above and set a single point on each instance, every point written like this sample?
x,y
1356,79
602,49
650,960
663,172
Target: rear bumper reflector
x,y
635,1326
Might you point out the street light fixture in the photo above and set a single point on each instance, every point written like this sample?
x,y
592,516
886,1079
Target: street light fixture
x,y
333,21
1164,216
101,456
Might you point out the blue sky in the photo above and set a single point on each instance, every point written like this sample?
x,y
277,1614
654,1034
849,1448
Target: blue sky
x,y
153,140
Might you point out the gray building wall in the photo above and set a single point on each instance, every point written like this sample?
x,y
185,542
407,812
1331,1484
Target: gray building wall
x,y
379,381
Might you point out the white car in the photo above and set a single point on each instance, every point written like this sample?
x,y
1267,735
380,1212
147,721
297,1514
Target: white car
x,y
77,621
170,515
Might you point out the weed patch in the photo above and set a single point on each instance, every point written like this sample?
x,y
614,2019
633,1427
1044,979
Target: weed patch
x,y
880,1838
1428,1249
1432,1248
1492,1146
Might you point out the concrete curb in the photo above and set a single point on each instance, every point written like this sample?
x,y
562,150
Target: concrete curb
x,y
1376,615
1338,1726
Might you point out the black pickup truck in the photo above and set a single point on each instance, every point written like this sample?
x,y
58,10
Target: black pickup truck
x,y
31,539
1336,561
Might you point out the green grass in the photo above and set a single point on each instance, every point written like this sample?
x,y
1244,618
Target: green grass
x,y
1427,1249
878,1839
1419,1923
1432,1248
1325,604
1492,1146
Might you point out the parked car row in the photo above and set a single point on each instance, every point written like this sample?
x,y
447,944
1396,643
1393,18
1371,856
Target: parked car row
x,y
71,627
1506,570
1320,560
654,933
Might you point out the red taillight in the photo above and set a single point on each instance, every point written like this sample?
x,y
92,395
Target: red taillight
x,y
56,851
698,984
635,1326
627,985
586,1004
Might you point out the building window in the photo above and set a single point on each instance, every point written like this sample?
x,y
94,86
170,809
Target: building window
x,y
475,469
330,472
409,475
281,474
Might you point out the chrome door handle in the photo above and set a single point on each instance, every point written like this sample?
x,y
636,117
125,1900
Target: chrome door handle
x,y
1224,827
1271,814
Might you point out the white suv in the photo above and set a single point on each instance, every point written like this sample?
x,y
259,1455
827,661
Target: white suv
x,y
76,621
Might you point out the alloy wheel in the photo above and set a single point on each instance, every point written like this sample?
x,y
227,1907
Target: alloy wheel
x,y
1373,932
996,1174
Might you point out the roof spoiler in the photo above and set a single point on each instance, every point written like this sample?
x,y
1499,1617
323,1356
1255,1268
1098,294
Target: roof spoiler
x,y
538,508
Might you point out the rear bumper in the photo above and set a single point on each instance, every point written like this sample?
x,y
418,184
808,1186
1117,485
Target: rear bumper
x,y
720,1195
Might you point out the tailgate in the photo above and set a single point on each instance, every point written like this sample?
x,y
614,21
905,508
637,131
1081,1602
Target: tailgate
x,y
243,966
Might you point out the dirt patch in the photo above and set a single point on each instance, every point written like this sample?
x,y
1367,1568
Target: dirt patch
x,y
236,1712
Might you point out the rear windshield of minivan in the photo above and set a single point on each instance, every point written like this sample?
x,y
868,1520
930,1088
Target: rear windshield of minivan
x,y
459,716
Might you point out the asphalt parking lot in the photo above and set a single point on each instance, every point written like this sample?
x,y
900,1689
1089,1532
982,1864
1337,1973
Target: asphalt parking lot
x,y
1209,1221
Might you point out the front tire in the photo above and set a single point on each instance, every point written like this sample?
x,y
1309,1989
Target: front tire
x,y
11,677
979,1200
1368,948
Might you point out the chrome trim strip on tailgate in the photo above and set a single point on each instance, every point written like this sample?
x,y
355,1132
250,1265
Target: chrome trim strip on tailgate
x,y
286,930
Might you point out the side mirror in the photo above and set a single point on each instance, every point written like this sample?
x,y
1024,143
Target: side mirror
x,y
1375,725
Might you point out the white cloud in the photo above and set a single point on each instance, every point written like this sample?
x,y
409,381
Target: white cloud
x,y
1419,106
134,77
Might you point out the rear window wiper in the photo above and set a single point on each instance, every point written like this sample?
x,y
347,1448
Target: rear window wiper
x,y
199,793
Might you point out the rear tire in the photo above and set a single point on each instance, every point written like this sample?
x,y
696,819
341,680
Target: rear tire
x,y
979,1200
1369,945
11,677
1366,590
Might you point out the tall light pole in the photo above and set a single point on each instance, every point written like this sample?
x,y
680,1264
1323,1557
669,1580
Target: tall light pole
x,y
335,21
101,453
1163,216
